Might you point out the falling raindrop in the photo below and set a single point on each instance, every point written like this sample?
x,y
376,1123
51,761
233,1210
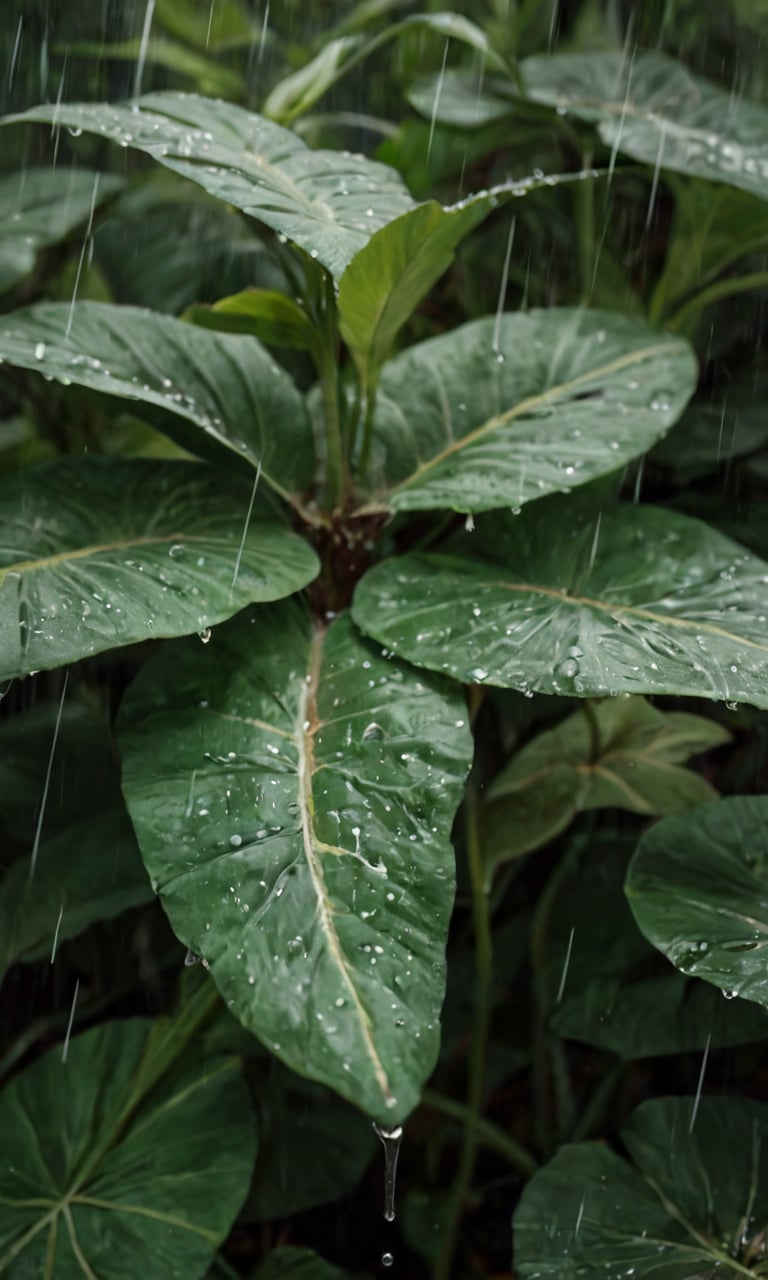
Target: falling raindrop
x,y
387,1259
205,634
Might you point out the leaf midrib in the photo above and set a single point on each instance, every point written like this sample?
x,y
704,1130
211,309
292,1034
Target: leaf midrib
x,y
99,548
531,403
308,716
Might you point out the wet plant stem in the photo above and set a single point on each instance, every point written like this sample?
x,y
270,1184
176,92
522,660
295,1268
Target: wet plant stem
x,y
334,451
489,1135
480,1028
548,1059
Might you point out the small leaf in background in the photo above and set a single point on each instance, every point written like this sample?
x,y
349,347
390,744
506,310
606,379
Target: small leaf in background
x,y
656,110
293,794
41,206
100,552
86,861
300,1264
713,431
329,203
698,889
500,412
691,1203
457,98
621,754
608,987
626,599
208,386
205,74
101,1177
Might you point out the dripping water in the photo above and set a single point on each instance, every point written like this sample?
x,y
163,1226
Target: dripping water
x,y
391,1140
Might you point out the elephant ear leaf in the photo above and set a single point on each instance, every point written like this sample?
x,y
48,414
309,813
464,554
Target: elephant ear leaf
x,y
292,792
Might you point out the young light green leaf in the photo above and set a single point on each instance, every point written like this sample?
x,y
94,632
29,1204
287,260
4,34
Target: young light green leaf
x,y
500,412
328,203
692,1203
188,380
98,1180
39,207
697,889
622,753
268,315
293,795
656,110
100,552
626,599
458,97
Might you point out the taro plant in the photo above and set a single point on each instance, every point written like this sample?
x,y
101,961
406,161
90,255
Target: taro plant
x,y
356,540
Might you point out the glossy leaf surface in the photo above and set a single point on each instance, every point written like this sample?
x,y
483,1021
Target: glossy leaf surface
x,y
39,207
626,599
223,385
502,411
328,203
691,1204
100,552
100,1180
652,108
608,987
698,889
293,793
621,753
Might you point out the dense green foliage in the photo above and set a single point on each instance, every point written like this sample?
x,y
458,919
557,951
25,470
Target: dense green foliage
x,y
384,625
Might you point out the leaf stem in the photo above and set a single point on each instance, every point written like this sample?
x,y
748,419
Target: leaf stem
x,y
489,1135
480,1029
714,293
337,478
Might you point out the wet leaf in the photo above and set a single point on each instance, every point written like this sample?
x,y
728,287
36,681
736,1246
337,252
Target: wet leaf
x,y
652,108
698,889
39,207
100,552
626,599
457,97
293,793
691,1204
86,861
607,986
328,203
197,385
266,314
500,412
621,753
101,1179
300,1264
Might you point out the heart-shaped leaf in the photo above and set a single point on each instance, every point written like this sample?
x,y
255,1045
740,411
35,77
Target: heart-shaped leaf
x,y
698,889
293,791
39,207
99,552
607,986
654,109
626,599
692,1203
225,386
499,412
621,753
101,1178
328,203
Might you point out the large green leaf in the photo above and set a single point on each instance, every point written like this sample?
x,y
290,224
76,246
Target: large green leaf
x,y
39,207
575,597
651,107
502,411
621,753
293,793
690,1206
698,889
99,552
101,1178
607,986
223,385
328,203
